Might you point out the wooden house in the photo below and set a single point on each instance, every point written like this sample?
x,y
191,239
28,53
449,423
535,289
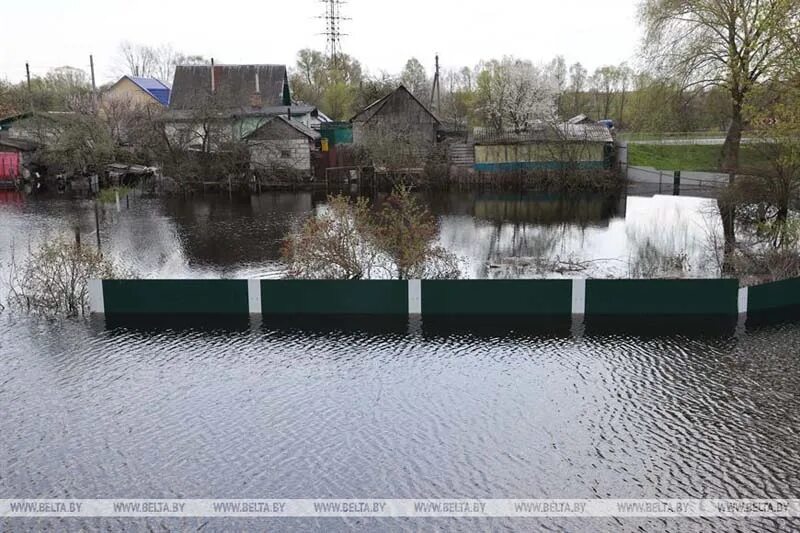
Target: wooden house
x,y
398,122
231,102
137,92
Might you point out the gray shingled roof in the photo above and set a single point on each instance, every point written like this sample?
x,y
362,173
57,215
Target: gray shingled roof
x,y
546,132
366,114
235,85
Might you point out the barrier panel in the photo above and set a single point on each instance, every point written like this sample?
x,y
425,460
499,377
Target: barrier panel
x,y
180,297
774,296
307,297
282,298
497,297
662,297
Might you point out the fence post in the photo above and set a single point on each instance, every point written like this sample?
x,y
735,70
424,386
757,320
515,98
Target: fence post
x,y
676,184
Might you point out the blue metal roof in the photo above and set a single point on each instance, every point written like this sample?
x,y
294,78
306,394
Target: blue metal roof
x,y
154,87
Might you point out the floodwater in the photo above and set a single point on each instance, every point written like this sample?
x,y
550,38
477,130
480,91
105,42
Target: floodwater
x,y
347,408
494,235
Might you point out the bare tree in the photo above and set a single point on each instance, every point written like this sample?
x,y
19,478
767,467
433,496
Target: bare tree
x,y
577,77
54,279
733,44
347,240
154,61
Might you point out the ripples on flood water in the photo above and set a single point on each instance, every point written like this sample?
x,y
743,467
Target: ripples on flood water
x,y
390,409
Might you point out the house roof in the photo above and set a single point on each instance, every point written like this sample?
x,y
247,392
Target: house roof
x,y
592,132
375,107
299,126
235,85
155,88
580,119
19,144
189,115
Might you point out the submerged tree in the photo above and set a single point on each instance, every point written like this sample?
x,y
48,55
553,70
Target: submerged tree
x,y
348,240
735,45
54,279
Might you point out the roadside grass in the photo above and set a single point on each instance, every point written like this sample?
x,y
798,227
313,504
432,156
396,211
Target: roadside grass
x,y
693,157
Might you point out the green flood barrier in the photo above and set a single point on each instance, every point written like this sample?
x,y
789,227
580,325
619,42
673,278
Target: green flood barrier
x,y
774,296
309,297
179,297
281,298
497,297
662,297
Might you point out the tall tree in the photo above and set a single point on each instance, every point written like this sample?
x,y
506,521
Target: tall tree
x,y
513,94
557,69
415,78
577,80
733,44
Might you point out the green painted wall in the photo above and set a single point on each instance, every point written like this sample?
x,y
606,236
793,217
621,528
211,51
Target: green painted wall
x,y
497,297
303,297
662,297
189,297
774,295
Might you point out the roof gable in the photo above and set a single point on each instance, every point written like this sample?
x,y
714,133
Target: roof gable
x,y
279,125
155,88
234,88
375,108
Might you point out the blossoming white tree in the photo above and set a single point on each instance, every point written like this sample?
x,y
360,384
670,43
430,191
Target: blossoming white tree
x,y
514,95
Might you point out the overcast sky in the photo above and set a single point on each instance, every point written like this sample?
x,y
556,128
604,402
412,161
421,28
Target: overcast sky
x,y
383,33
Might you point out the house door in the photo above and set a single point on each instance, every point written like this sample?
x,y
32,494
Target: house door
x,y
9,165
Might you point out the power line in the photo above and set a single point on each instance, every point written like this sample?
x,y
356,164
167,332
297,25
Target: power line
x,y
333,27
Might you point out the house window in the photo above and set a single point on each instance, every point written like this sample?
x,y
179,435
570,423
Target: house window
x,y
286,154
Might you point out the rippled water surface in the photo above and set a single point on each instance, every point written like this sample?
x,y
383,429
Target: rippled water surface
x,y
399,410
355,408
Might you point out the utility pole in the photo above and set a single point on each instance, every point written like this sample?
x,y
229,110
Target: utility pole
x,y
30,90
94,84
436,93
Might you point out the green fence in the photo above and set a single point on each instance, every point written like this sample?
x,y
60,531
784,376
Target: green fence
x,y
497,297
334,297
441,298
662,297
180,297
782,294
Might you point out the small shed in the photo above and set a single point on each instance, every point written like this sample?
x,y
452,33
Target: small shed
x,y
283,144
548,147
398,118
14,156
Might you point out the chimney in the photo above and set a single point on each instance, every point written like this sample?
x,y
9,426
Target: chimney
x,y
256,102
213,79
